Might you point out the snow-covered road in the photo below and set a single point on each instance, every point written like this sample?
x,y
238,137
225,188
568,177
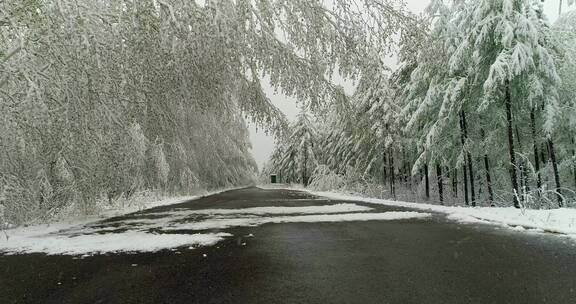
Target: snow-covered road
x,y
283,246
157,229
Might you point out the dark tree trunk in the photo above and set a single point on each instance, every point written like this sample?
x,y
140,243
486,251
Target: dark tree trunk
x,y
544,153
304,173
523,174
574,162
293,169
391,170
465,180
471,173
448,177
404,167
512,165
469,159
384,165
488,180
555,168
455,183
440,183
536,157
487,170
427,181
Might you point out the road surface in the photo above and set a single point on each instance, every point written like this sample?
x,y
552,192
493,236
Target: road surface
x,y
429,260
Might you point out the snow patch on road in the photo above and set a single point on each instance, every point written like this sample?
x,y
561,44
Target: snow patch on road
x,y
150,235
39,241
337,208
318,218
79,235
166,217
154,231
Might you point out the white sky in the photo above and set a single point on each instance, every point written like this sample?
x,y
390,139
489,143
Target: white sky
x,y
262,144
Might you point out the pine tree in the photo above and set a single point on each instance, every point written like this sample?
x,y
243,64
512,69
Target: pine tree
x,y
508,43
295,159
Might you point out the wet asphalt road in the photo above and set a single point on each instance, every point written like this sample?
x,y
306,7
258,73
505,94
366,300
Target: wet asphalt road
x,y
428,260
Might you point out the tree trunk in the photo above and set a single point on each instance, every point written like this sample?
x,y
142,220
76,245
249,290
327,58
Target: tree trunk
x,y
304,173
448,177
544,153
455,183
384,165
404,167
293,177
469,159
471,173
512,165
536,156
555,168
488,180
440,183
487,170
427,181
523,174
391,170
465,180
574,162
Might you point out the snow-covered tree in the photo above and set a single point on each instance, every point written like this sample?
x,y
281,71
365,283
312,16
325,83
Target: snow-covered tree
x,y
295,159
78,77
487,90
500,63
509,44
565,37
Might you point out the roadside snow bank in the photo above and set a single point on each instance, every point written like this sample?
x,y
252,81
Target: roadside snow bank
x,y
76,236
561,220
140,201
117,210
149,204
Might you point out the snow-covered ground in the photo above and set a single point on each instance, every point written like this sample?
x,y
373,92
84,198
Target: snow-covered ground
x,y
47,238
180,227
144,204
562,220
138,202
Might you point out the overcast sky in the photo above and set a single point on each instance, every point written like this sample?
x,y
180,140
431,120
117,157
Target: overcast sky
x,y
262,144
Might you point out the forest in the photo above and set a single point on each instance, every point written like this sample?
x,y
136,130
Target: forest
x,y
103,99
287,151
481,112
